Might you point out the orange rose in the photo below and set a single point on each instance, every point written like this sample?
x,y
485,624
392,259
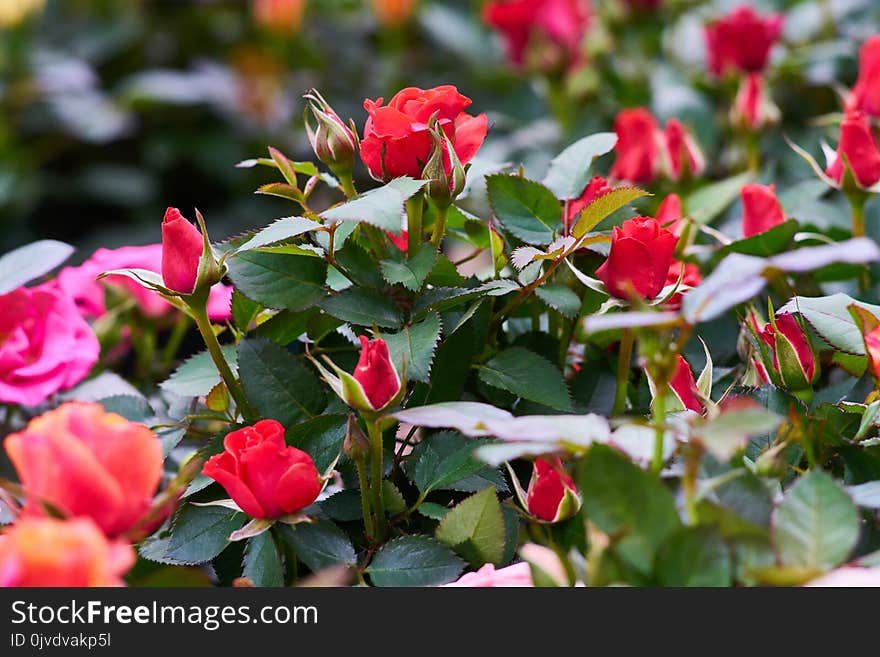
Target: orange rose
x,y
85,462
50,552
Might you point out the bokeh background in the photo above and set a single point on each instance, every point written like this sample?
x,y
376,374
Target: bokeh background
x,y
110,111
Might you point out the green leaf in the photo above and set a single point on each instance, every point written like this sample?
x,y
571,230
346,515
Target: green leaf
x,y
603,207
197,375
262,563
381,207
694,556
131,407
410,273
432,510
816,525
560,298
278,280
363,307
280,230
278,385
321,438
569,171
286,326
526,209
724,435
734,281
517,370
768,243
414,561
415,345
830,318
711,200
199,533
31,261
244,310
475,528
319,544
394,502
441,461
622,499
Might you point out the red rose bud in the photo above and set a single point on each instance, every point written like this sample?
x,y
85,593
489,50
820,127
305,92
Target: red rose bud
x,y
669,214
188,262
683,158
639,259
753,109
400,241
872,343
761,209
552,495
334,143
376,374
684,274
865,95
397,140
684,387
262,474
444,172
393,13
597,187
741,41
858,145
637,153
793,364
544,27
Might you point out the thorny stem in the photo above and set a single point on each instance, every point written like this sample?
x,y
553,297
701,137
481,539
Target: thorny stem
x,y
200,315
439,226
369,528
348,187
660,430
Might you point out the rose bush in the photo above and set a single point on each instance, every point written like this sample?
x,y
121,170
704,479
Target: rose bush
x,y
648,354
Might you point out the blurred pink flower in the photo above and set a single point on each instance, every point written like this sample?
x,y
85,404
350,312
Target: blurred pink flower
x,y
517,575
848,576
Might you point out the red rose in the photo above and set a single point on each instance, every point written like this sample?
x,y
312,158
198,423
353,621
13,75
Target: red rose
x,y
88,463
684,387
690,276
753,109
397,141
741,41
789,355
636,148
265,477
523,22
761,209
182,245
597,187
51,552
641,252
669,214
857,143
683,156
865,95
552,495
376,374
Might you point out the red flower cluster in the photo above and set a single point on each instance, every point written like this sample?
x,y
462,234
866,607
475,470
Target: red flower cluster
x,y
644,151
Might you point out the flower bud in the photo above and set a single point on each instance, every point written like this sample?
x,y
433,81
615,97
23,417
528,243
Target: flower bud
x,y
334,143
552,495
684,387
597,187
753,109
638,158
356,444
761,209
669,214
856,152
786,355
376,374
682,157
188,262
443,170
639,259
865,95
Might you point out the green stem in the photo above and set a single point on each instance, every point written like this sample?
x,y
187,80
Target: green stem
x,y
369,528
348,187
623,365
857,202
753,152
376,456
200,315
414,209
439,226
570,573
692,457
660,430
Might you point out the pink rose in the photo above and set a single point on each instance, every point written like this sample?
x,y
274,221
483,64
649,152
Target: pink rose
x,y
47,346
517,575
